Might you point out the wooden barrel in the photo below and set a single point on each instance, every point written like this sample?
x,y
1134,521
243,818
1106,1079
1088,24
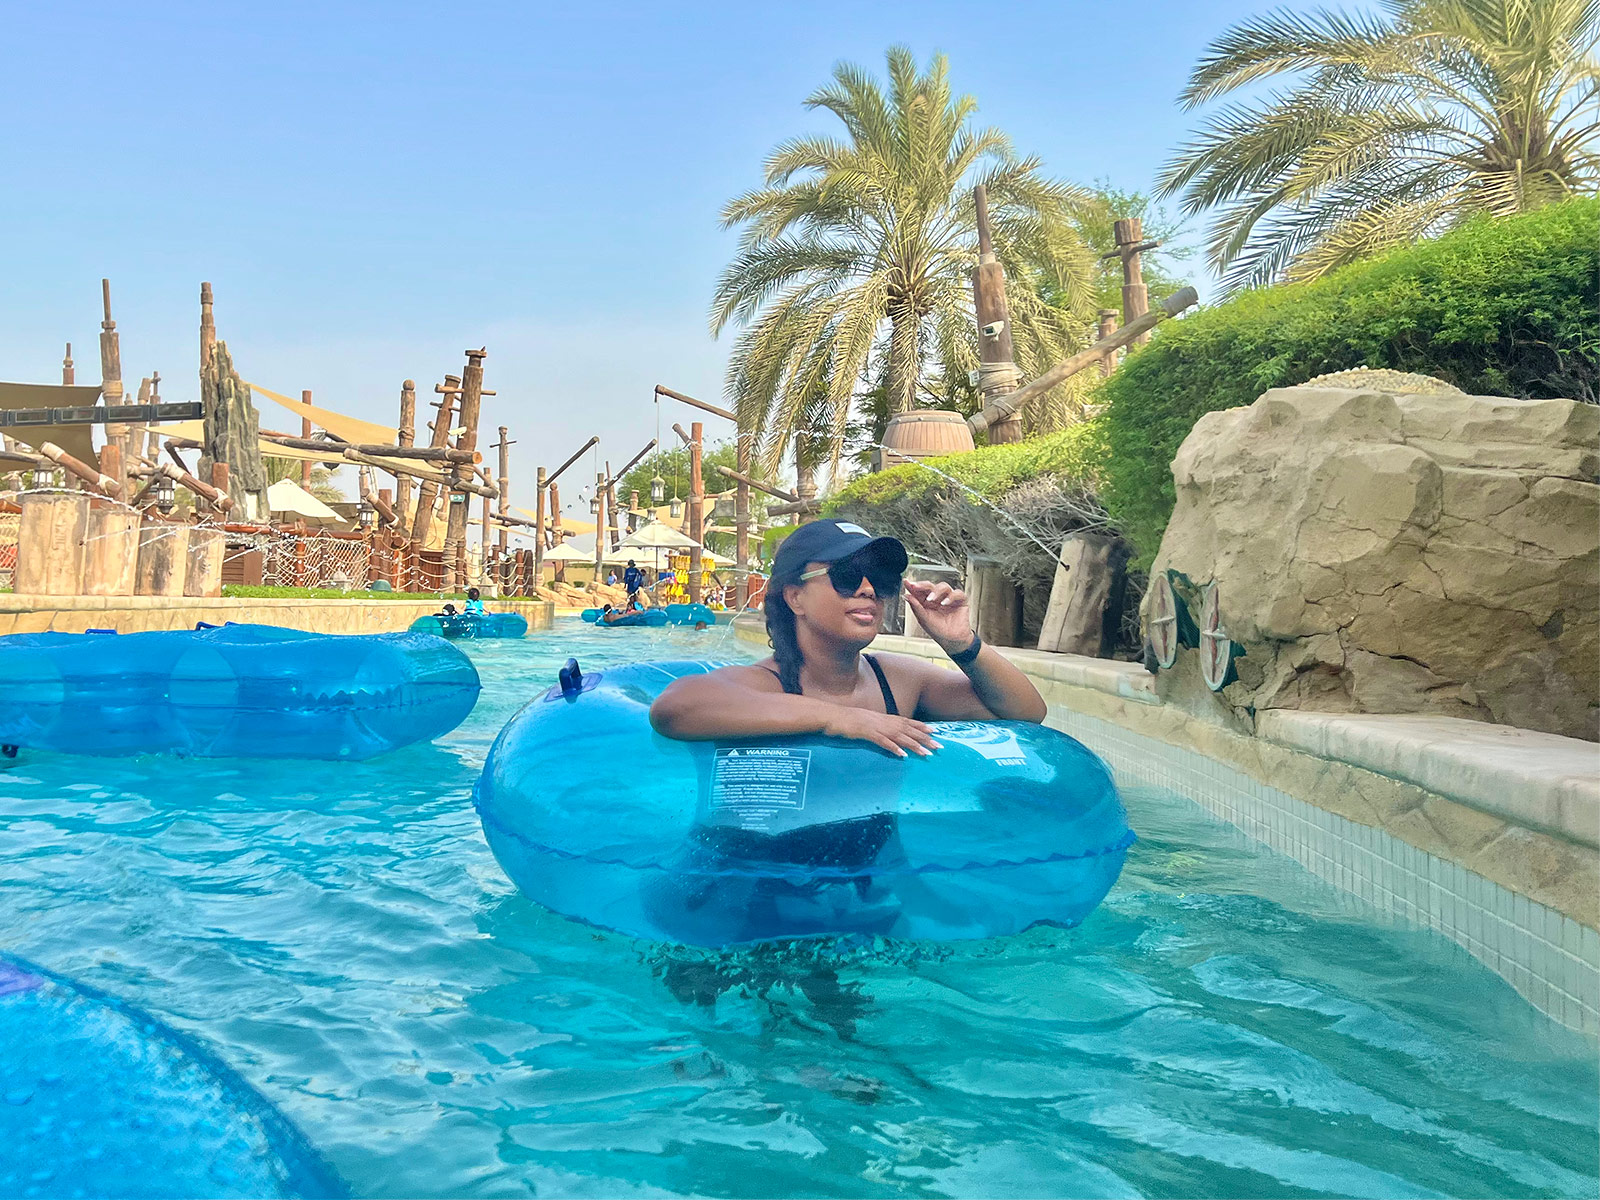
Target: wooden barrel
x,y
926,433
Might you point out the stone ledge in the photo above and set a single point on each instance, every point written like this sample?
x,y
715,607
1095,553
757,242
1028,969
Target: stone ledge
x,y
135,614
1539,780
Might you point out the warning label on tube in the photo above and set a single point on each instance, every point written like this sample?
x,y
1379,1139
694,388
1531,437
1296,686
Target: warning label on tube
x,y
758,780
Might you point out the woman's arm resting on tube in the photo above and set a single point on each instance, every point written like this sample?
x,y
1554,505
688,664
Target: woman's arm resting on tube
x,y
990,687
747,702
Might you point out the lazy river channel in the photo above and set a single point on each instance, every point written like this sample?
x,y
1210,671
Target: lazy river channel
x,y
1224,1024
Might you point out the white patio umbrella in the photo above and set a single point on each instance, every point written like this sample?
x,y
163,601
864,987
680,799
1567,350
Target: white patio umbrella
x,y
656,535
289,498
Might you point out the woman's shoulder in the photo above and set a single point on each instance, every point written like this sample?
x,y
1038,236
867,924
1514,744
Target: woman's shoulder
x,y
762,675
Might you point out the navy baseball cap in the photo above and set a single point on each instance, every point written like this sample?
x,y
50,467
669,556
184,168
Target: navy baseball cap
x,y
830,541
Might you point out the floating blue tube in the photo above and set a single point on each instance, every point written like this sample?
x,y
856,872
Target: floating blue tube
x,y
651,618
688,614
100,1099
472,625
715,844
254,691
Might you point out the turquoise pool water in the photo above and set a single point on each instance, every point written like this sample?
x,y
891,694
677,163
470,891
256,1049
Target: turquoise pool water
x,y
1225,1024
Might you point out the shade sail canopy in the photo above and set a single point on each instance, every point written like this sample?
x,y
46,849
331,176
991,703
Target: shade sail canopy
x,y
289,498
656,534
76,440
351,429
196,430
570,524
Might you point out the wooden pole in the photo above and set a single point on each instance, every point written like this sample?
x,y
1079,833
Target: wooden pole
x,y
305,432
208,327
539,482
428,493
576,454
455,538
152,436
997,370
111,375
697,501
1006,405
611,503
700,404
741,525
405,435
741,569
68,375
1129,234
776,493
1108,326
504,447
599,522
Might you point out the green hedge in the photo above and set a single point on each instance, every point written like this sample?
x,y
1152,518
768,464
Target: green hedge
x,y
1496,307
1074,455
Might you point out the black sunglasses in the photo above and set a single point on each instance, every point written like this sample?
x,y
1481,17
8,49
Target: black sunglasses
x,y
846,576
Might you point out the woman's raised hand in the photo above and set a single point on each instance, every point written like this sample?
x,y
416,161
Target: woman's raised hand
x,y
894,734
943,612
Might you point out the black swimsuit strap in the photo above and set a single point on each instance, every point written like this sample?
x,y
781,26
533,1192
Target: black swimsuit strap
x,y
889,706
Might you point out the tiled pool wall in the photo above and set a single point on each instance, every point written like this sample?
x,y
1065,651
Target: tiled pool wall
x,y
1552,960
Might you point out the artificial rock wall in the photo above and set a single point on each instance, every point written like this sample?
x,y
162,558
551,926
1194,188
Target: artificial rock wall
x,y
1397,553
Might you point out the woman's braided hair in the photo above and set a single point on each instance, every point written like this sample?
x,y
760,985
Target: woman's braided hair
x,y
780,632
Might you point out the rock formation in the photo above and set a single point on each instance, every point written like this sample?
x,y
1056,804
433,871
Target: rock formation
x,y
1396,552
232,434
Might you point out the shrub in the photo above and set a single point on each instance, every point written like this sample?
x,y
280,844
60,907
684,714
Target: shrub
x,y
1014,503
1496,307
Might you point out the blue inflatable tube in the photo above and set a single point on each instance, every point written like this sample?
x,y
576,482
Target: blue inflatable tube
x,y
688,614
254,691
716,844
100,1099
472,625
650,618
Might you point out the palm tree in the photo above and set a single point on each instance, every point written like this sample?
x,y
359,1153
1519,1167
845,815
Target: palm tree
x,y
1396,126
855,259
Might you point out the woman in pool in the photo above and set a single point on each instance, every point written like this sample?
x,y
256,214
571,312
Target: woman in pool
x,y
824,606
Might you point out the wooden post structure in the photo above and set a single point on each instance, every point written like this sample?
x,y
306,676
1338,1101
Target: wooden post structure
x,y
305,432
68,375
997,369
697,503
428,492
1131,243
503,446
405,435
599,522
455,538
741,525
741,567
1108,326
152,435
538,533
611,505
50,543
111,375
1005,406
208,327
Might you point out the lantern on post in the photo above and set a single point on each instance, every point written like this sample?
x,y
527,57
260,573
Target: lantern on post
x,y
43,476
594,504
658,489
675,508
366,515
164,494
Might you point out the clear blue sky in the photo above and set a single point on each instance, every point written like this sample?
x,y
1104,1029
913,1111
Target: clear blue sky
x,y
374,188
